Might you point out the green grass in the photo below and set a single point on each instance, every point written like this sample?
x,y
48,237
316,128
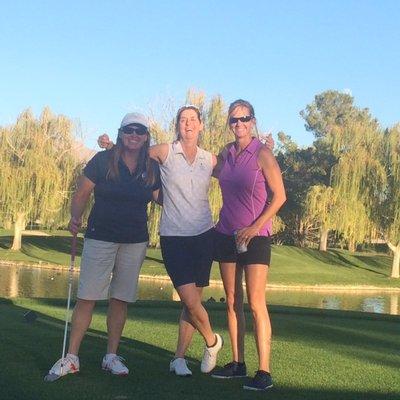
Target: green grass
x,y
316,355
290,265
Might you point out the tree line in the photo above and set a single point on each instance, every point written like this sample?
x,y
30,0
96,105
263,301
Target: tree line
x,y
343,190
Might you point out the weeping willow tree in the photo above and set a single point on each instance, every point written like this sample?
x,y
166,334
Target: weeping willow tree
x,y
356,178
321,209
353,137
388,210
213,139
37,171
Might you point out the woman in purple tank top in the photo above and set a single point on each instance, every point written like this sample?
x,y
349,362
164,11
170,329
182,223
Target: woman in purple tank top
x,y
253,192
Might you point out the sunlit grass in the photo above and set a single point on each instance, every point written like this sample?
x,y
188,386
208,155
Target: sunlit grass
x,y
290,265
316,355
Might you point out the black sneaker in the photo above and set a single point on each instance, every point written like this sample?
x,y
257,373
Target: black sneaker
x,y
261,381
233,369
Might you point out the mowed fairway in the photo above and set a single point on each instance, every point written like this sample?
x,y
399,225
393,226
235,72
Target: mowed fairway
x,y
289,266
316,355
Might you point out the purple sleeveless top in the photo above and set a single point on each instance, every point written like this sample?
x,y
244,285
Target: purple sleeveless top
x,y
244,190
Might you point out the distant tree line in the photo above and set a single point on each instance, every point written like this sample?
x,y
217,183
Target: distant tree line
x,y
343,190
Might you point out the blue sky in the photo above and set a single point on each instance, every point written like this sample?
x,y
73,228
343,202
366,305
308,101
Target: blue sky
x,y
95,61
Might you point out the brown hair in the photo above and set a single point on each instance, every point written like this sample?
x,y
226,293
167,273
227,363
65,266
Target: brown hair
x,y
178,117
145,166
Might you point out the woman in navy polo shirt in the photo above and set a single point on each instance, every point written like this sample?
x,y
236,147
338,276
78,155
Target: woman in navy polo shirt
x,y
186,231
124,180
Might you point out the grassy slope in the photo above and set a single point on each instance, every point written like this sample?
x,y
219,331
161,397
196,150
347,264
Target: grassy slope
x,y
290,265
316,355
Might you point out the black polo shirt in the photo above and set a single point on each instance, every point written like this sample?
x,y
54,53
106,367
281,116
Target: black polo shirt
x,y
119,213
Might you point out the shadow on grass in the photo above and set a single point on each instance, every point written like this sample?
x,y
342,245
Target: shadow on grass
x,y
328,257
37,246
61,244
367,263
158,260
32,348
360,336
366,336
57,244
377,264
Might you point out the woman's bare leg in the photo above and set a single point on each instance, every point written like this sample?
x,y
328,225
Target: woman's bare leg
x,y
231,275
256,280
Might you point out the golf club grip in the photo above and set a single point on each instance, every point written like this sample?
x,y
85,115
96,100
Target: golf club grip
x,y
73,248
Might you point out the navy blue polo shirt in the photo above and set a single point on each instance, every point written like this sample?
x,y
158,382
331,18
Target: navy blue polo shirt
x,y
119,213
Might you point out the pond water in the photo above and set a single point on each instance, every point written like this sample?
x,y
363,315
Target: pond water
x,y
46,283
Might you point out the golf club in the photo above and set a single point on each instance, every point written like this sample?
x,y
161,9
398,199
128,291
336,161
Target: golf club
x,y
52,377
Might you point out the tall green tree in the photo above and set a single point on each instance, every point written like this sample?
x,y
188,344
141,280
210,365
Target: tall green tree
x,y
321,208
357,176
301,168
347,135
388,210
38,168
329,110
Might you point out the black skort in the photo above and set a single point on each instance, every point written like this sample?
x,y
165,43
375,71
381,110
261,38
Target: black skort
x,y
188,259
258,250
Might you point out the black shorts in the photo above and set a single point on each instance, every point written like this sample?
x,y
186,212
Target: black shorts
x,y
188,259
258,250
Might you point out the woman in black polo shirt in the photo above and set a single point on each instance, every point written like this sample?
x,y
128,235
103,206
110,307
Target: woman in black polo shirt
x,y
124,180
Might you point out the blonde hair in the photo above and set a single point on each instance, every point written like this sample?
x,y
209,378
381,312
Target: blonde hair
x,y
242,103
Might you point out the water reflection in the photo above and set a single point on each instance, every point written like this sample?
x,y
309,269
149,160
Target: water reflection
x,y
35,282
374,304
331,303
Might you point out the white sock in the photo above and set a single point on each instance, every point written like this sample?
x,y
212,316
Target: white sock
x,y
109,356
72,356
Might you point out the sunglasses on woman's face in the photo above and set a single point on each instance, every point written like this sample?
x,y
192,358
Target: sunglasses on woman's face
x,y
234,120
130,130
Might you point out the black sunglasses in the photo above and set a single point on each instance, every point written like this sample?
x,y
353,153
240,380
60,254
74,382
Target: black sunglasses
x,y
138,130
234,120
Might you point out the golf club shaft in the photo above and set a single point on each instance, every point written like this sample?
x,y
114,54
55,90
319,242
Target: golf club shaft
x,y
71,269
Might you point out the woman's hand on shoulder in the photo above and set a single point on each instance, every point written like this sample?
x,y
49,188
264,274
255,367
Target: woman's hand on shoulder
x,y
219,160
159,152
268,141
224,152
266,158
273,174
105,142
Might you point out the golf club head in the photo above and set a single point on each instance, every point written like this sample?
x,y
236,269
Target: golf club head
x,y
51,377
30,316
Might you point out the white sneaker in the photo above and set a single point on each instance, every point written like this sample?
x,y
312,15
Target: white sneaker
x,y
209,360
179,366
67,365
114,364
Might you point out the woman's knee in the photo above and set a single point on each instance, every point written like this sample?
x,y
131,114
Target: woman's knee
x,y
257,306
85,304
191,303
190,299
118,303
234,302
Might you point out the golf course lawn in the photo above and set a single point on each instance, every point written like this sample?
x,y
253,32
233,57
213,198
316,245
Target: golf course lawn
x,y
317,354
289,266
